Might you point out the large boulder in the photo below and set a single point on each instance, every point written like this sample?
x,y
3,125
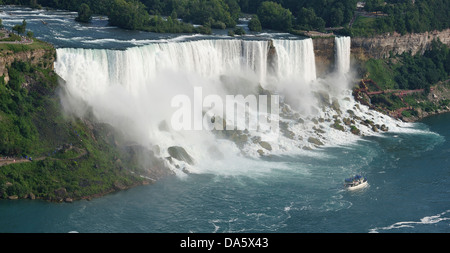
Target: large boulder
x,y
31,196
61,192
180,154
265,145
315,141
13,197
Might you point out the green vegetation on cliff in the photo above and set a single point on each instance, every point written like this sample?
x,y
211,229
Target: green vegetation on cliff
x,y
411,72
47,154
408,86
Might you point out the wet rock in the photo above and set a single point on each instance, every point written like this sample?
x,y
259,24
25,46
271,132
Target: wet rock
x,y
265,145
318,130
284,128
256,139
336,106
13,197
260,152
315,141
337,125
180,154
354,130
239,138
347,121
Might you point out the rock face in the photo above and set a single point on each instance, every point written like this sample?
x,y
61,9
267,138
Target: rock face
x,y
324,55
271,57
43,57
382,46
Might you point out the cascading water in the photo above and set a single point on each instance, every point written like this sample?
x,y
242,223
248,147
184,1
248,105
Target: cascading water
x,y
343,54
132,90
296,59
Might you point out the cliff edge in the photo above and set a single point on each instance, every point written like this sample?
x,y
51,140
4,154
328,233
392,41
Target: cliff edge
x,y
383,46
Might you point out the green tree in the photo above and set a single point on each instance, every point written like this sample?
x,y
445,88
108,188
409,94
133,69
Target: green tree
x,y
336,17
210,12
234,9
84,14
20,29
373,5
273,16
308,20
129,15
239,31
254,24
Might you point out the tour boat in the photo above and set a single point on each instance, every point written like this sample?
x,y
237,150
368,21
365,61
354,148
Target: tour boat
x,y
356,182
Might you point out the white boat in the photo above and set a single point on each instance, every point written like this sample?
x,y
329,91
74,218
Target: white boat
x,y
356,182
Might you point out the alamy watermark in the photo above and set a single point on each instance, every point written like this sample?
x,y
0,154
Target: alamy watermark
x,y
234,112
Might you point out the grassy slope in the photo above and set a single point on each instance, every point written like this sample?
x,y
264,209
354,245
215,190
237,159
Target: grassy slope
x,y
73,158
383,72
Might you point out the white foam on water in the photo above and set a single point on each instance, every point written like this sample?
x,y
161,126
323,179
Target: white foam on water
x,y
427,220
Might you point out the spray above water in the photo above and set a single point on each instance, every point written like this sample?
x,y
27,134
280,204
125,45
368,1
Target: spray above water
x,y
132,90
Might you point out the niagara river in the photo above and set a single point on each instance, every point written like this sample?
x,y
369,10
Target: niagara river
x,y
257,182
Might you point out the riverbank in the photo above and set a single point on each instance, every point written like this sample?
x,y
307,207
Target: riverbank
x,y
406,105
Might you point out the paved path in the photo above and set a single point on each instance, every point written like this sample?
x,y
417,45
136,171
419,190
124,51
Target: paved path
x,y
10,160
6,161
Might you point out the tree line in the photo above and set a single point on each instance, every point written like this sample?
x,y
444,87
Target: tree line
x,y
178,15
147,14
150,15
404,16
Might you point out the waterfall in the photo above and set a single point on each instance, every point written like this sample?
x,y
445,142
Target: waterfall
x,y
343,54
132,90
90,72
296,59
